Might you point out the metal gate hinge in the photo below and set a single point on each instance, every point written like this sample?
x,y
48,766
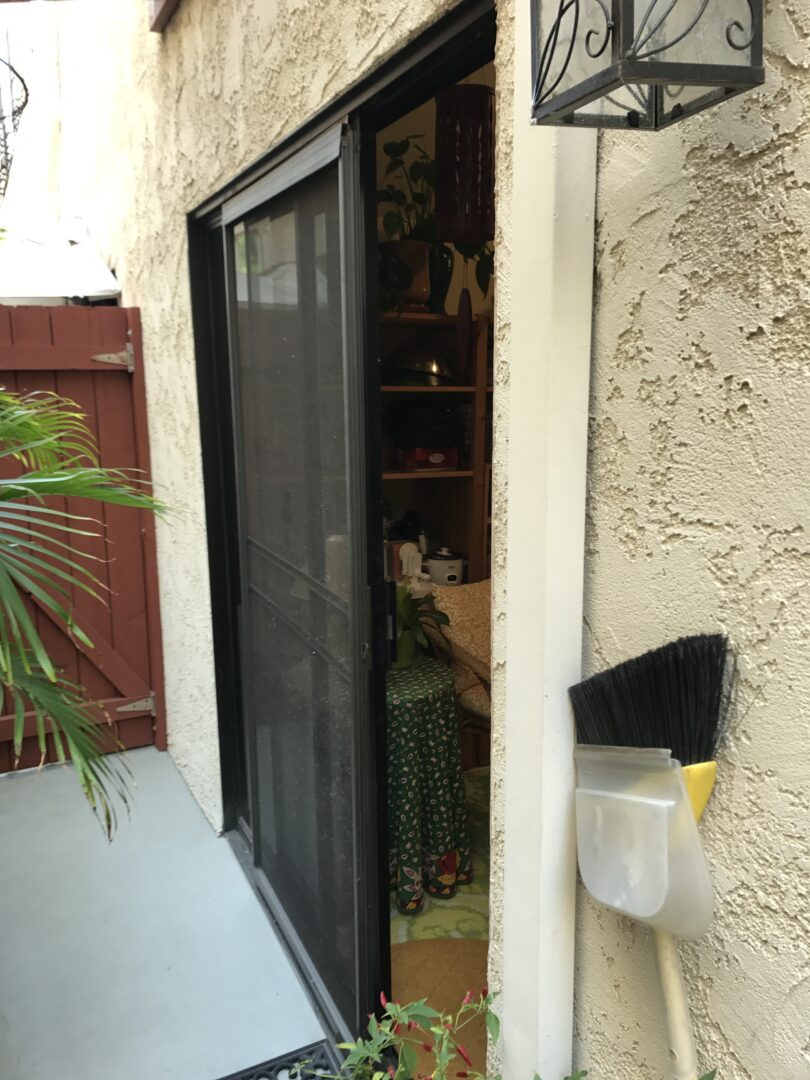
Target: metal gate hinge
x,y
125,358
146,704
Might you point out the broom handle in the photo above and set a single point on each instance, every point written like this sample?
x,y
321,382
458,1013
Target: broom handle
x,y
681,1043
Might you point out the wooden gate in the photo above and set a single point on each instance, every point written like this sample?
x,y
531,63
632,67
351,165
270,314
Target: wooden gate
x,y
93,356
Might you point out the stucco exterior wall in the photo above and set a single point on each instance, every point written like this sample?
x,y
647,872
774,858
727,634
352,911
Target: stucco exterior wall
x,y
698,502
699,513
152,124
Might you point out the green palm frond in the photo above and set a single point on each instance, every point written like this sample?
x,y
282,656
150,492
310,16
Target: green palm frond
x,y
48,437
41,429
78,726
92,482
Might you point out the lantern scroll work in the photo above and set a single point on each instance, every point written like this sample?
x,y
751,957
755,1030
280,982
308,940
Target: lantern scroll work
x,y
641,63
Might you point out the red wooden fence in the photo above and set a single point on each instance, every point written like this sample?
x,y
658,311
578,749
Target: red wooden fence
x,y
93,356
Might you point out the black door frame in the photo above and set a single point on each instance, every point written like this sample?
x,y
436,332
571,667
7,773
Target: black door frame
x,y
447,51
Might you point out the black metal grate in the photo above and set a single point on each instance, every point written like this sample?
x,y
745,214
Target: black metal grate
x,y
319,1057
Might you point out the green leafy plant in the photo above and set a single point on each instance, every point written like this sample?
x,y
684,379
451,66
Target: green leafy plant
x,y
409,193
56,457
390,1051
393,1042
410,200
413,612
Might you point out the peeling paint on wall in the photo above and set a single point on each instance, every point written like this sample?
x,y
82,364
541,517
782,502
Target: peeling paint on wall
x,y
698,518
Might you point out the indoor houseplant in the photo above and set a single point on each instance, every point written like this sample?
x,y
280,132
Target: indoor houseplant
x,y
412,612
415,266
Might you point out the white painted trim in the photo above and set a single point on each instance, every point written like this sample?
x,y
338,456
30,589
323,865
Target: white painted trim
x,y
551,257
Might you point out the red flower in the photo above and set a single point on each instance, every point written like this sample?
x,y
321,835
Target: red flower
x,y
485,992
383,999
464,1054
467,998
462,1074
391,1072
427,1048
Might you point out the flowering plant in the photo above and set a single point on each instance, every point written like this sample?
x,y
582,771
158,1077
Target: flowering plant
x,y
391,1049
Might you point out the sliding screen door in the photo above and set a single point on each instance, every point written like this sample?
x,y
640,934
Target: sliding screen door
x,y
298,419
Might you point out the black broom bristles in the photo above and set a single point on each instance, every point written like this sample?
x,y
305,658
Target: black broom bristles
x,y
676,697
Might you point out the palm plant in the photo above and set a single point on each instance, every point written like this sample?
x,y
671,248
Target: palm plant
x,y
45,440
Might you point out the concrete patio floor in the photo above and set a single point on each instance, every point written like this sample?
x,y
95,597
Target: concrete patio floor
x,y
146,958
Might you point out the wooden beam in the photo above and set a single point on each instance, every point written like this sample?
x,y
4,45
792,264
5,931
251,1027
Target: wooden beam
x,y
105,712
59,358
102,655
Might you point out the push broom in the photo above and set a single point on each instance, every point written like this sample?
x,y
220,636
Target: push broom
x,y
648,731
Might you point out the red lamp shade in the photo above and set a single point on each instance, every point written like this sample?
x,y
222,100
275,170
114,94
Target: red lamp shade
x,y
465,189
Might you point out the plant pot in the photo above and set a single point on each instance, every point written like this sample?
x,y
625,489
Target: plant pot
x,y
442,263
405,273
406,650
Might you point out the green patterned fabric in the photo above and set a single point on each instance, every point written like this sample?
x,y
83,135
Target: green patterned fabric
x,y
428,842
466,915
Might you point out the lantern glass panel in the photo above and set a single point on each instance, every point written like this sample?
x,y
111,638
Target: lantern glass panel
x,y
574,43
702,32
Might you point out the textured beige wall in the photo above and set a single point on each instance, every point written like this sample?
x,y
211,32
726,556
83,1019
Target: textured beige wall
x,y
699,517
698,499
152,124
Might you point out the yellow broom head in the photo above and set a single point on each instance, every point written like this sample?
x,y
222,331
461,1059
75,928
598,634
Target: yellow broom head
x,y
699,780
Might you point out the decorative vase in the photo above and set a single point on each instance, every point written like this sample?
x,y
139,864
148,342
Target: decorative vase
x,y
405,273
442,263
406,649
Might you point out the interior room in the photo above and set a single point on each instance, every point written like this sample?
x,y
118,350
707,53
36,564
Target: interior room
x,y
435,225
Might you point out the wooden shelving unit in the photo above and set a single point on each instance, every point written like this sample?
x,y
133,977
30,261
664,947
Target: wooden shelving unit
x,y
431,474
428,389
417,318
456,511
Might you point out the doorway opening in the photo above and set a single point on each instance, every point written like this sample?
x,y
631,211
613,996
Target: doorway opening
x,y
434,170
320,465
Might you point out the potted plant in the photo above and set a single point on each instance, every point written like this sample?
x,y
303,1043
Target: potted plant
x,y
412,613
415,266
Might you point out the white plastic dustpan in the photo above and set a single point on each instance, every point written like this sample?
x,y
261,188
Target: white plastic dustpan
x,y
638,844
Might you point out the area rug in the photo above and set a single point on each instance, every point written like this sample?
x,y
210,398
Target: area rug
x,y
466,915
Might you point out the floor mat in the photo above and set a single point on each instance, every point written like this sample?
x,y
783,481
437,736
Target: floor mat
x,y
467,914
443,972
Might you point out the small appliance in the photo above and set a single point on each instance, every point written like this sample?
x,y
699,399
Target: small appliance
x,y
445,568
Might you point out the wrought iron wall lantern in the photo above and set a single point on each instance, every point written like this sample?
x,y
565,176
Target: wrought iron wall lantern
x,y
641,63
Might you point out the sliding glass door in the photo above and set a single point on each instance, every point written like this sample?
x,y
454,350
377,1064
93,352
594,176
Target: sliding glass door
x,y
297,383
